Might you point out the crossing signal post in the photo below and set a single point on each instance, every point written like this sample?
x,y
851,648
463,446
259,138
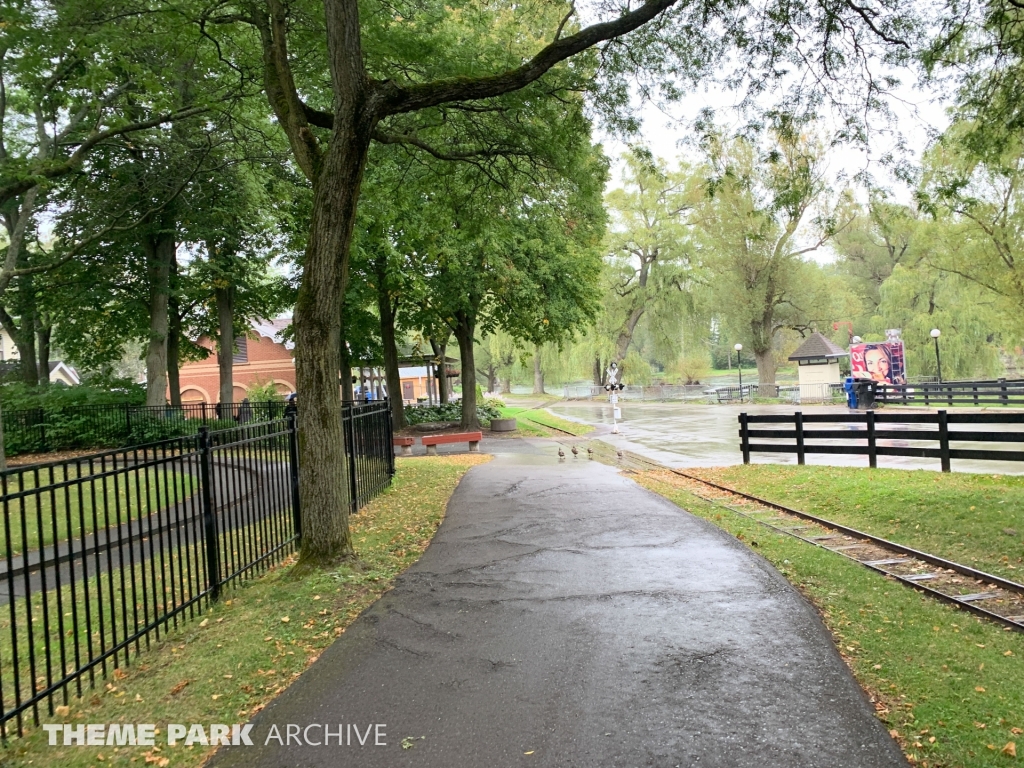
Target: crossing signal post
x,y
613,386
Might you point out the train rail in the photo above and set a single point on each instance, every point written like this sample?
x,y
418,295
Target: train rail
x,y
980,593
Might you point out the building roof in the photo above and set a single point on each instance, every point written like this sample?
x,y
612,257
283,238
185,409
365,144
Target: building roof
x,y
420,361
273,329
817,346
12,368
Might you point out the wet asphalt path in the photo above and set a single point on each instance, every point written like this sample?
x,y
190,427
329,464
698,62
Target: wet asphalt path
x,y
564,616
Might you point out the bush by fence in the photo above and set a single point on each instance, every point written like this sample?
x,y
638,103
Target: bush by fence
x,y
39,430
102,554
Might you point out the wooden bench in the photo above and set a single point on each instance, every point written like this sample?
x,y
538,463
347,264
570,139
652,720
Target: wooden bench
x,y
406,444
432,441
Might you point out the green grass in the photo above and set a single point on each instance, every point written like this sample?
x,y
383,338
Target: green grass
x,y
932,671
532,422
259,638
974,519
66,512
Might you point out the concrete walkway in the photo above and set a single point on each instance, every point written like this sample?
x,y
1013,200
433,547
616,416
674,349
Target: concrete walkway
x,y
564,616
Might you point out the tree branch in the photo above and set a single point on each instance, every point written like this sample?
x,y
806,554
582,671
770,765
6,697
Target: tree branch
x,y
12,189
397,99
387,138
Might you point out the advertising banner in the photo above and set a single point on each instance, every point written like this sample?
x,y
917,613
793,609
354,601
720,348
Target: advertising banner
x,y
879,361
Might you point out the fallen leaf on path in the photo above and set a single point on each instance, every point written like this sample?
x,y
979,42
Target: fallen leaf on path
x,y
1010,750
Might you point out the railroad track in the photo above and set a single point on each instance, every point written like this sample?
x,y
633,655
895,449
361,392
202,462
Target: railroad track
x,y
980,593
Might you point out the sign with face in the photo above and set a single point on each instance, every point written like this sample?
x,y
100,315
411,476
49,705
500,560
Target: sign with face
x,y
883,362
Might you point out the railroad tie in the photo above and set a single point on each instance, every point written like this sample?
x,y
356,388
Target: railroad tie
x,y
977,596
887,561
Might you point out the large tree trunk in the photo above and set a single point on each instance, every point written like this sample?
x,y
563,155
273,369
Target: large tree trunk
x,y
763,337
323,470
225,299
26,344
159,253
506,385
347,391
440,350
465,329
174,337
491,374
538,373
393,376
625,336
598,373
43,331
766,369
25,341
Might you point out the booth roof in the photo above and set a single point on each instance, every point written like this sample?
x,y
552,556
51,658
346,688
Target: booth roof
x,y
817,346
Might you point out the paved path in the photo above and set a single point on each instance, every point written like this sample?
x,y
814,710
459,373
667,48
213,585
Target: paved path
x,y
564,616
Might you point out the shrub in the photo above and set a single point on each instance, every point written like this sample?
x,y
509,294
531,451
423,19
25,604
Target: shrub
x,y
264,392
420,414
692,369
17,396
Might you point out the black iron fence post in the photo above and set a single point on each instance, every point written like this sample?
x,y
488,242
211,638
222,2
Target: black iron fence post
x,y
798,419
872,442
350,449
390,447
42,430
1002,389
744,438
293,460
944,440
209,520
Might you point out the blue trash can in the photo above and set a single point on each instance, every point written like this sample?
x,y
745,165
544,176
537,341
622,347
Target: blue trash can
x,y
851,394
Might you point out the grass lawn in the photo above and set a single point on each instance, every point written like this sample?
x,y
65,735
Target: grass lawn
x,y
534,422
949,686
40,520
974,519
259,638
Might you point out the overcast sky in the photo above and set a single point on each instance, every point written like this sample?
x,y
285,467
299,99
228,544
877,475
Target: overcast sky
x,y
918,115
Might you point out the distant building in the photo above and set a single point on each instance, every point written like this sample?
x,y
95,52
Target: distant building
x,y
261,355
60,372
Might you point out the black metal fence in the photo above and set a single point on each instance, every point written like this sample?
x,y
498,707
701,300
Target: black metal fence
x,y
997,392
39,430
104,553
895,438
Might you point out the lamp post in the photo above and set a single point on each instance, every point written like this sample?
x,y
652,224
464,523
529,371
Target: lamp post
x,y
739,368
938,361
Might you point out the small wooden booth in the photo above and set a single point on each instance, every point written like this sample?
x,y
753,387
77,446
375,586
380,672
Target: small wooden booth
x,y
817,362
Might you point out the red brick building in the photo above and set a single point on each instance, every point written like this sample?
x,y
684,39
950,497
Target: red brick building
x,y
262,356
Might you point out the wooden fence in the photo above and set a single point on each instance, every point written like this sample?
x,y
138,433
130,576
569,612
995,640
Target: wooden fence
x,y
872,434
998,392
